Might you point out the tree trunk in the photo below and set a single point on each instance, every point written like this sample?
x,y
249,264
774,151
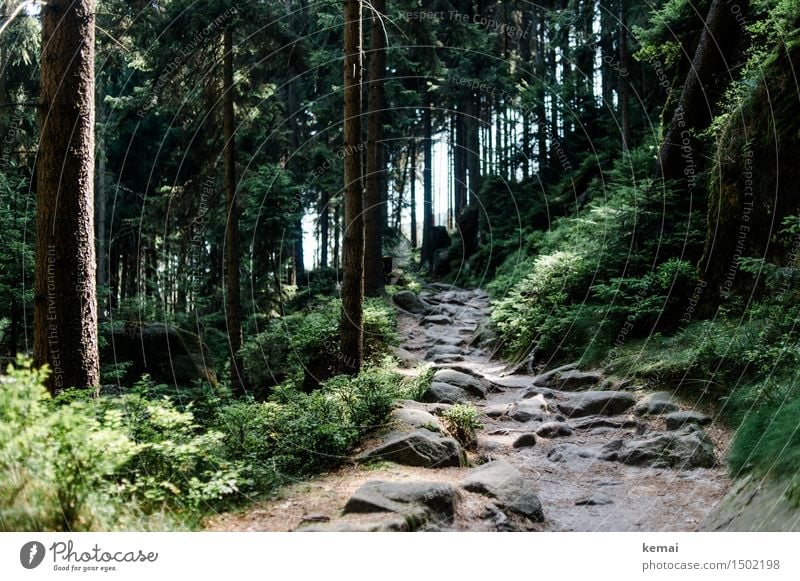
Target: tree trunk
x,y
680,156
622,86
413,201
65,305
352,335
233,302
100,200
373,196
324,227
427,187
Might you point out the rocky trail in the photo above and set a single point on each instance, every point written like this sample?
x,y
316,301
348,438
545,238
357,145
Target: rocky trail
x,y
563,450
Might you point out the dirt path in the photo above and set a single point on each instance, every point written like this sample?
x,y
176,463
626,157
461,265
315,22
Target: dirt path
x,y
596,456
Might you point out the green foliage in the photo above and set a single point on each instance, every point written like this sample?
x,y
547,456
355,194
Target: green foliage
x,y
768,443
299,433
56,463
283,349
461,421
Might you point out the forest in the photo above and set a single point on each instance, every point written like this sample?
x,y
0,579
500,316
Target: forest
x,y
452,265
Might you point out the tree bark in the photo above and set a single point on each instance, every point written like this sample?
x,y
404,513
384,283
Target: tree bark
x,y
373,196
680,156
65,305
622,80
413,196
352,335
233,300
427,187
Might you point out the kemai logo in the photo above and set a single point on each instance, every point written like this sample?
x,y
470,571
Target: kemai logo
x,y
31,554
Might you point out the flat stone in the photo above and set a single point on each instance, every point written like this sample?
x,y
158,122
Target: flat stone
x,y
554,430
689,447
570,452
601,422
657,403
407,359
379,523
525,441
470,384
410,499
547,377
503,482
573,379
588,403
446,359
496,410
415,418
444,393
418,448
437,320
677,420
595,499
443,350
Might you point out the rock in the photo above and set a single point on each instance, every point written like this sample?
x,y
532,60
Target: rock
x,y
595,499
588,403
496,410
418,448
527,410
451,340
169,355
600,422
547,377
444,392
677,420
573,379
437,350
407,359
543,391
503,482
554,430
570,452
525,441
689,447
436,320
411,303
472,385
657,403
413,419
417,501
446,359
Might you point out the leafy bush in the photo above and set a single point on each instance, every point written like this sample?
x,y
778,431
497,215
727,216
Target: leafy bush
x,y
298,433
284,348
55,462
461,421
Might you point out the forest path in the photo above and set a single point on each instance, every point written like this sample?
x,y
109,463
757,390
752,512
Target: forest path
x,y
564,450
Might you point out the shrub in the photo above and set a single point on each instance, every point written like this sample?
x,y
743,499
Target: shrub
x,y
461,421
298,433
55,462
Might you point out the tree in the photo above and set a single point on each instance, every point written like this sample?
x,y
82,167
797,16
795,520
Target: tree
x,y
352,334
427,186
233,300
708,76
373,199
65,302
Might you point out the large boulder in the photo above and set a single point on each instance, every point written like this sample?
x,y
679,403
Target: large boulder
x,y
418,448
410,419
417,501
411,303
657,403
589,403
503,482
689,447
527,410
470,384
439,392
169,355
